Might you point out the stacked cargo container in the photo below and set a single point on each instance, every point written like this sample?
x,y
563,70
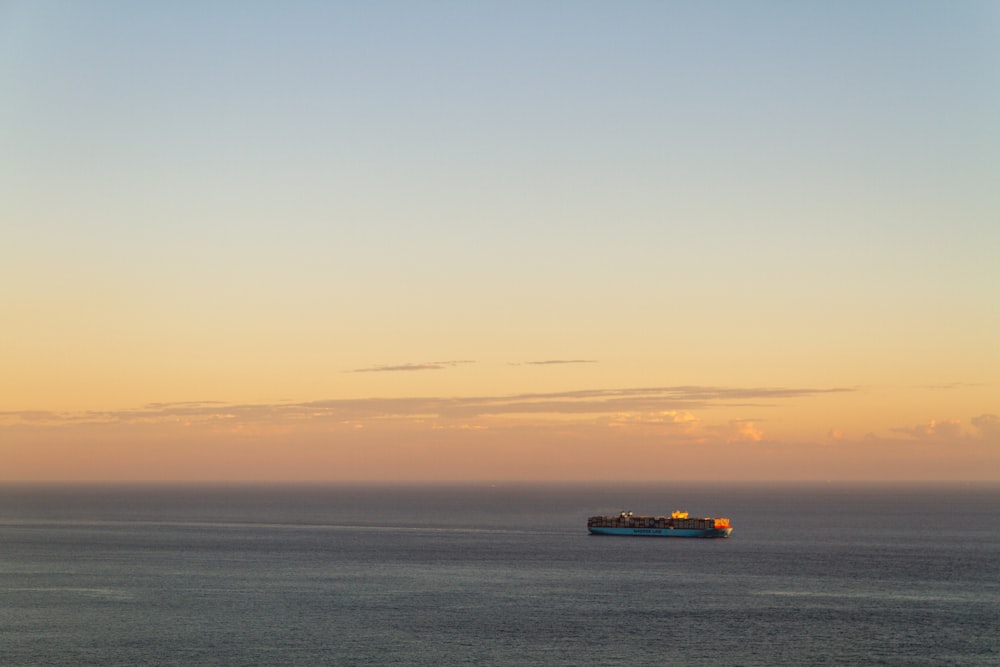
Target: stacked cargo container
x,y
625,520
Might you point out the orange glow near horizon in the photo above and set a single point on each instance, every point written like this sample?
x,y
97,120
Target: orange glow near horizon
x,y
758,244
574,437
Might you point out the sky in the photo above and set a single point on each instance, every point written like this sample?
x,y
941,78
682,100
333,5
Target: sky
x,y
476,241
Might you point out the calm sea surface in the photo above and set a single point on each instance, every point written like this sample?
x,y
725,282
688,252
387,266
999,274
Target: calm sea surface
x,y
505,575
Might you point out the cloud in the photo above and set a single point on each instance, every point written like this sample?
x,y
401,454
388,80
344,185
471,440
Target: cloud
x,y
598,401
180,405
665,406
933,430
31,416
740,430
951,385
672,419
428,366
987,427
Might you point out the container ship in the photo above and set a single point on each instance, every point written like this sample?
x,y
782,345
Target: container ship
x,y
678,524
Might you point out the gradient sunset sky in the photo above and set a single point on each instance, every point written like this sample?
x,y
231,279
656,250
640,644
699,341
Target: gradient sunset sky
x,y
499,240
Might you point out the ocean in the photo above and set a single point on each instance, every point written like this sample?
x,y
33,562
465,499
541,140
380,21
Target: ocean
x,y
505,574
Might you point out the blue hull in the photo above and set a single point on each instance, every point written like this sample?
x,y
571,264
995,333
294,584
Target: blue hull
x,y
663,532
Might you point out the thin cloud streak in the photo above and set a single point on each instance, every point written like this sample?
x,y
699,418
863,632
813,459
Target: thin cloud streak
x,y
427,366
571,403
953,385
182,405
